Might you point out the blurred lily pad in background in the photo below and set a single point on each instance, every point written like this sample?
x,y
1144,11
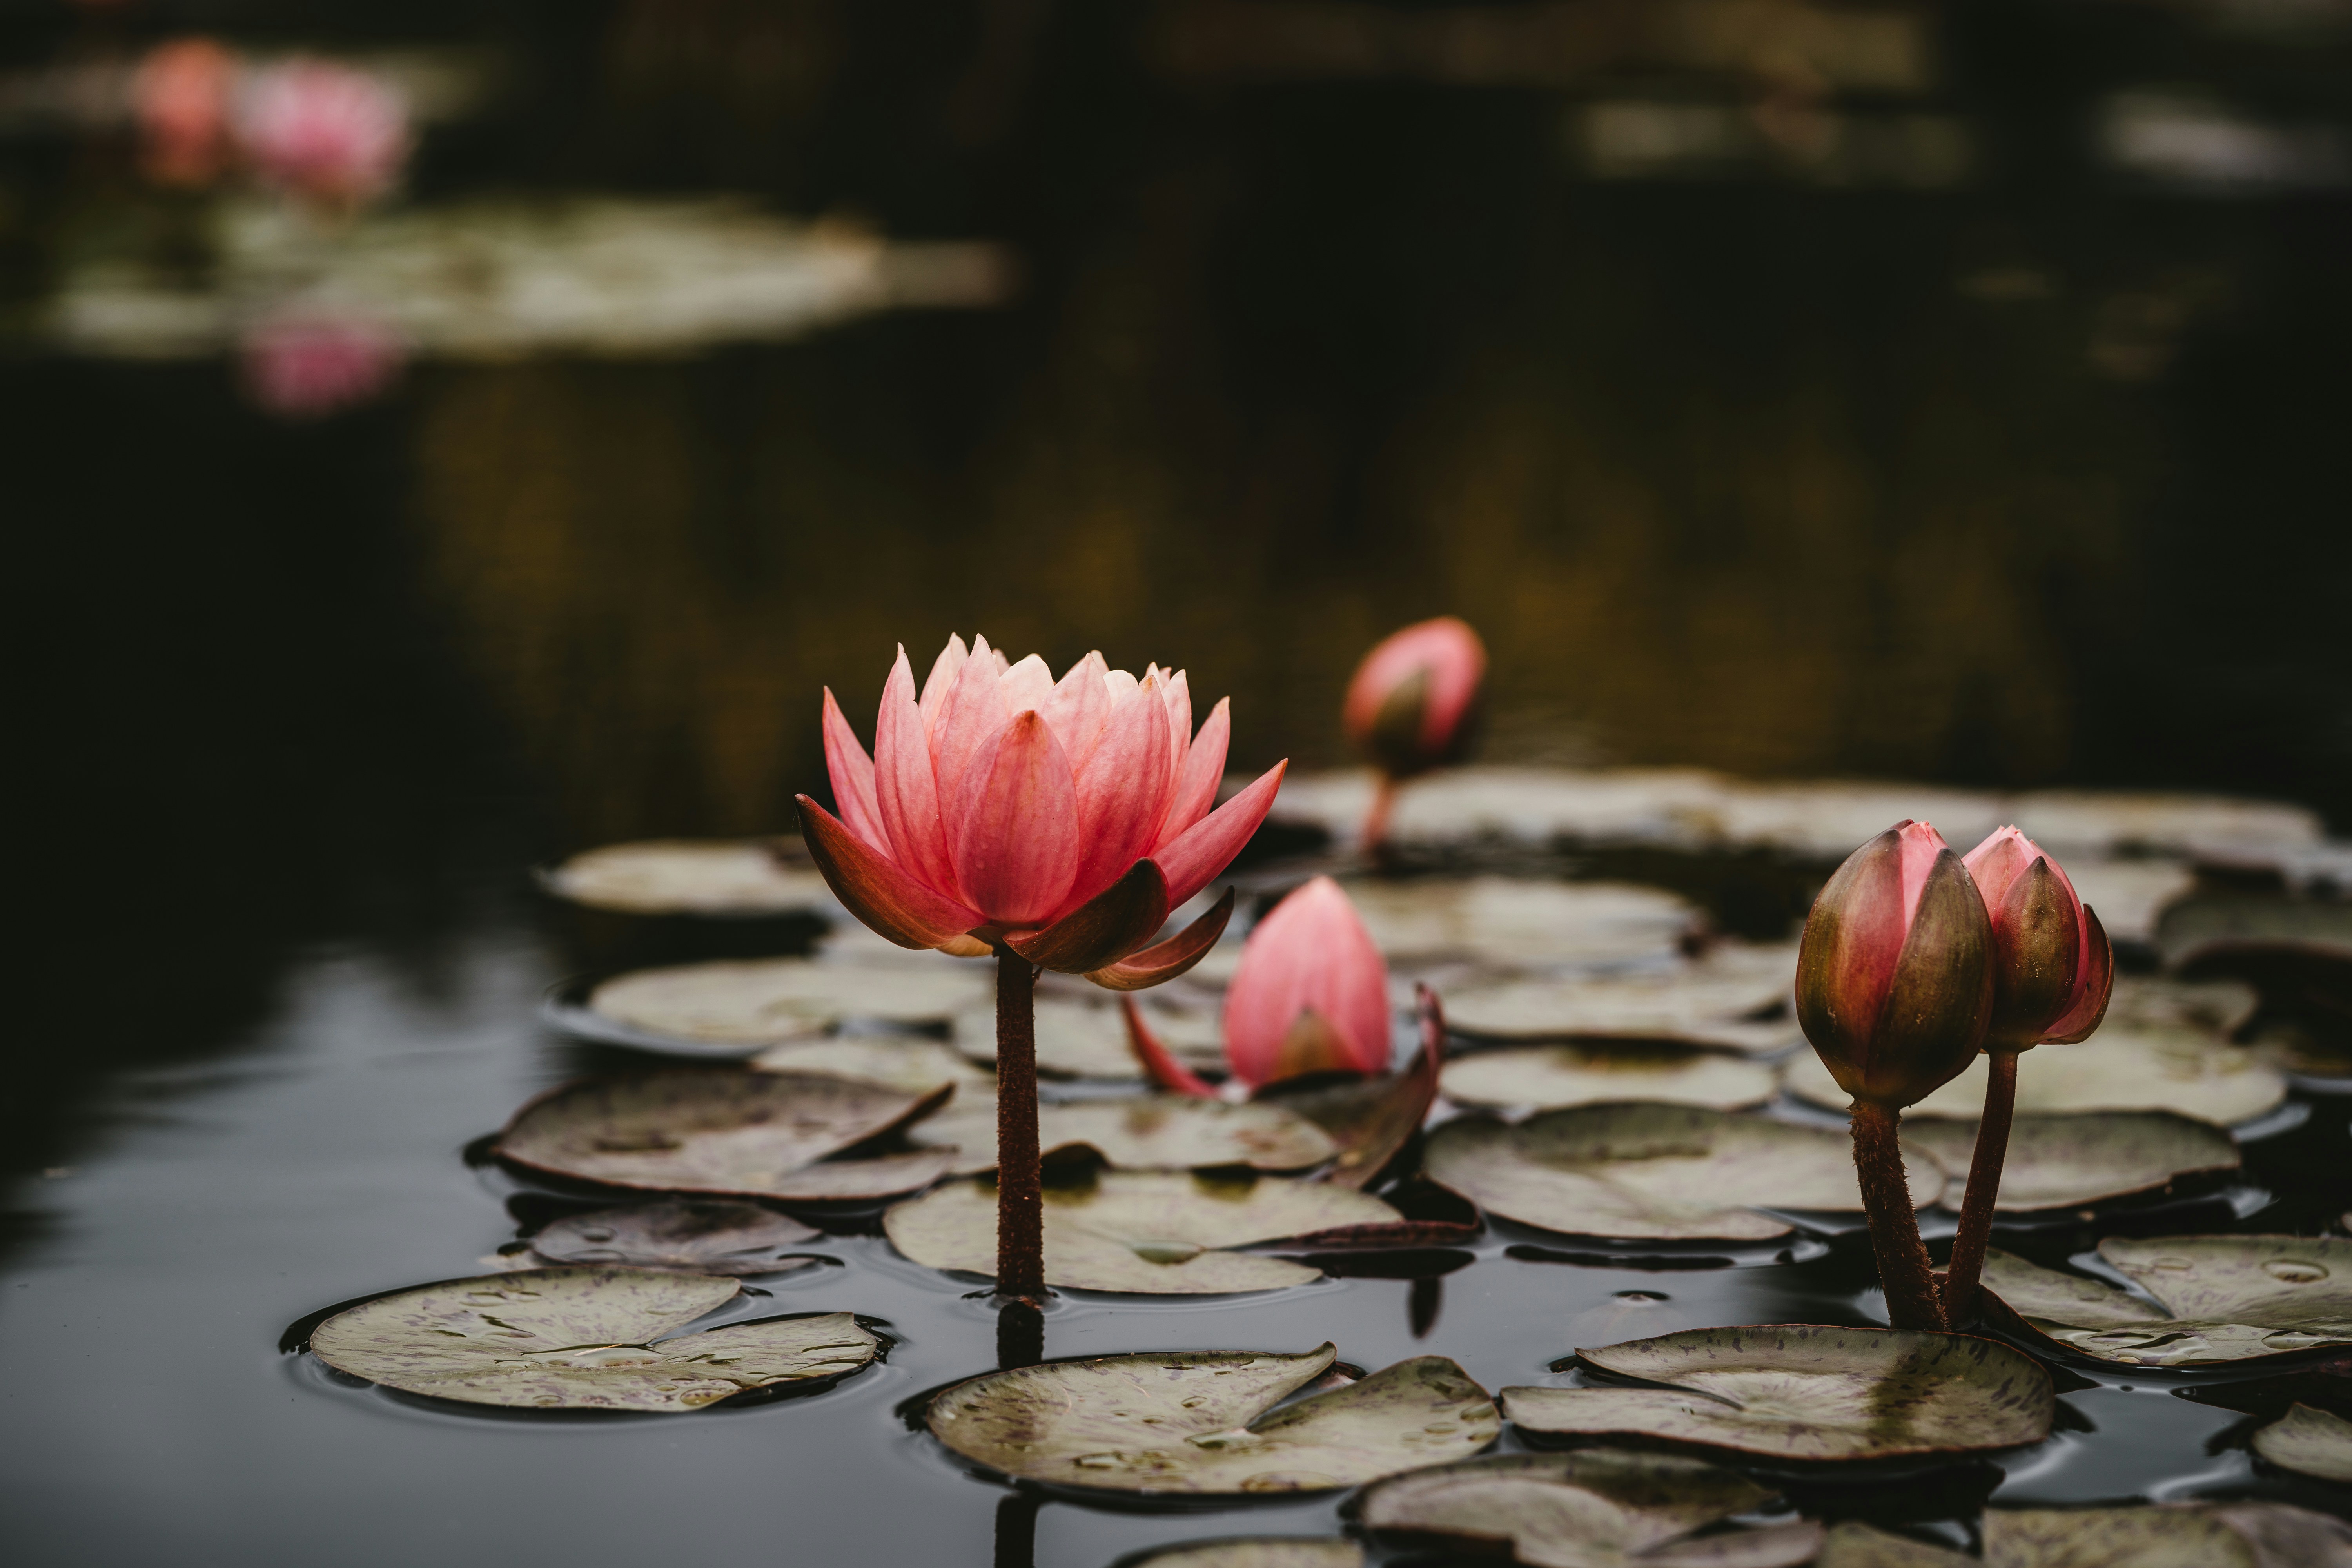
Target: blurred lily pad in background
x,y
700,876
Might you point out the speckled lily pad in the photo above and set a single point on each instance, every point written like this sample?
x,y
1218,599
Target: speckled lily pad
x,y
2310,1442
1803,1392
2222,1299
774,999
1205,1422
583,1339
1255,1552
2062,1161
2169,1536
1503,921
1149,1132
1088,1040
701,1236
2182,1071
1666,1172
733,1131
1735,998
697,877
1370,1120
1154,1233
1852,1545
1549,1076
912,1066
1595,1508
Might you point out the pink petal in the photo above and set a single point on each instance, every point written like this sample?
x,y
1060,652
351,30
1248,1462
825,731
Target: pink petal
x,y
1177,694
942,676
1028,685
995,658
1918,846
1120,684
2000,860
1312,954
876,889
1076,710
852,771
1016,841
1195,857
1455,661
906,792
1122,794
1158,1065
1163,961
1104,931
971,712
1203,770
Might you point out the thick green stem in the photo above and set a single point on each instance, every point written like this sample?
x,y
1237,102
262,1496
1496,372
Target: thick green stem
x,y
1903,1267
1019,1199
1984,1186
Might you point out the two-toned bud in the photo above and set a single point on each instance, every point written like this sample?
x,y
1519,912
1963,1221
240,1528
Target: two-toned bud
x,y
1895,978
1310,993
2052,966
1413,704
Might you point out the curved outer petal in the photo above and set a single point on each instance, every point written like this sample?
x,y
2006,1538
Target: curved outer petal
x,y
1921,848
944,670
2095,984
875,890
1195,856
1026,685
969,714
1016,835
2000,860
1934,1019
1310,992
1176,691
852,771
1165,961
1454,661
1845,964
1104,929
1204,769
2037,945
1158,1065
906,791
1077,708
1122,794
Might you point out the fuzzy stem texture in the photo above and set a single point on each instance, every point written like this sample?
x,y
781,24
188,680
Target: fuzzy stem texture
x,y
1376,822
1904,1270
1020,1201
1984,1186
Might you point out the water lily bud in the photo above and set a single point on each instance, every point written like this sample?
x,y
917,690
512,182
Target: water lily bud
x,y
1895,976
1311,994
2052,966
1413,704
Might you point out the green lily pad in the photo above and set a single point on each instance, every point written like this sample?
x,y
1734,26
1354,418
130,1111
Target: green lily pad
x,y
1504,921
1148,1132
694,877
1852,1545
1088,1040
2063,1162
911,1066
1549,1076
2221,1298
2143,1002
1595,1508
1663,1172
2182,1071
1256,1551
2169,1536
583,1339
705,1236
1206,1422
1736,998
733,1132
1369,1119
776,999
1799,1391
1154,1233
2310,1442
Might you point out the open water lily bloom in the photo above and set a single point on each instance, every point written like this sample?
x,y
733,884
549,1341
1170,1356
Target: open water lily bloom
x,y
1062,820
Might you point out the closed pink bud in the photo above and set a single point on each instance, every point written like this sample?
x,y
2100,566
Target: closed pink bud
x,y
180,100
1895,975
1311,994
1413,703
2052,966
325,130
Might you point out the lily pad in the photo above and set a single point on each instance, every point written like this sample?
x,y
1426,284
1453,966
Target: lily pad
x,y
2169,1536
1501,920
1801,1391
583,1339
1852,1545
1149,1132
2310,1442
2063,1162
694,876
1549,1076
1152,1233
2131,896
1661,1172
731,1132
1369,1119
774,999
2143,1002
1736,998
1206,1422
1256,1551
2221,1298
705,1236
911,1066
2182,1071
1088,1040
1595,1508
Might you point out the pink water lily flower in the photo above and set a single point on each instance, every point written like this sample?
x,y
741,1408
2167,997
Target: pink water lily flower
x,y
1060,820
1413,703
325,130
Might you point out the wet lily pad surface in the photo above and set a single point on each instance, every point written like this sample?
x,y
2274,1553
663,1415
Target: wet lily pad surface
x,y
1160,1132
912,1066
682,875
2183,1071
1206,1422
1088,1040
1736,998
1256,1551
706,1237
733,1131
1663,1172
2310,1442
1805,1393
583,1339
1506,921
1154,1233
2219,1298
769,1000
2209,1535
1595,1508
1546,1077
2063,1162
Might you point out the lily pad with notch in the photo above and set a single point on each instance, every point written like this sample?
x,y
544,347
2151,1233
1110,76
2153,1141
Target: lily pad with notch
x,y
699,1235
2065,1162
1145,1133
584,1339
690,876
1594,1508
1805,1393
1656,1172
1506,921
729,1131
2183,1071
1548,1077
1213,1422
2217,1300
768,1001
1152,1232
2310,1442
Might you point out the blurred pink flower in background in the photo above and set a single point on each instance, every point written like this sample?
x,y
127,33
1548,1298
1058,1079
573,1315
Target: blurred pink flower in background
x,y
180,100
328,130
307,367
1413,703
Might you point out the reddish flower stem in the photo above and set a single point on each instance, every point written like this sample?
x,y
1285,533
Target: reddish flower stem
x,y
1019,1199
1904,1270
1984,1186
1376,822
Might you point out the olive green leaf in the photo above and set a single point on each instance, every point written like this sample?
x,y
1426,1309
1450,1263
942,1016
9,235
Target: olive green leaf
x,y
1549,1076
911,1066
2062,1161
1088,1040
733,1131
1256,1551
1147,1132
2221,1298
2183,1071
1154,1233
1207,1422
704,1236
1852,1545
774,999
2310,1442
1595,1508
679,876
1668,1172
1504,921
1734,997
1806,1392
581,1339
2111,1538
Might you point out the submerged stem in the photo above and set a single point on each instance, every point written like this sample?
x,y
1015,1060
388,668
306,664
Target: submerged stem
x,y
1020,1201
1984,1185
1904,1270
